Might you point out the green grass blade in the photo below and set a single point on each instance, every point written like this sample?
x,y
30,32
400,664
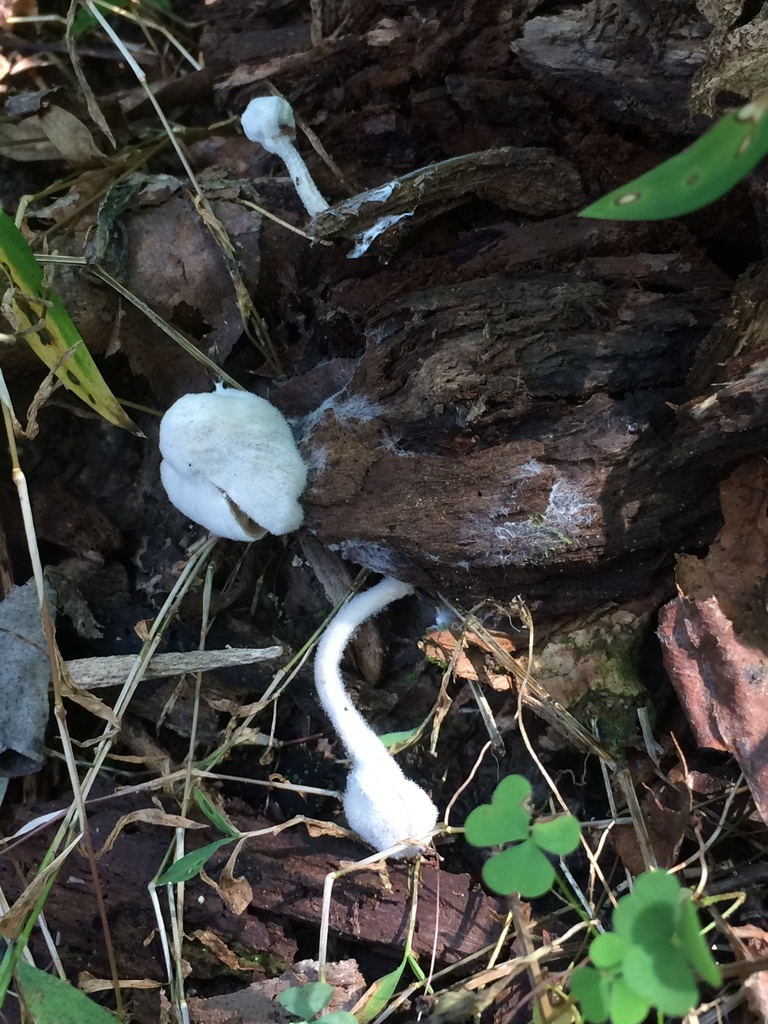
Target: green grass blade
x,y
29,301
53,1001
185,868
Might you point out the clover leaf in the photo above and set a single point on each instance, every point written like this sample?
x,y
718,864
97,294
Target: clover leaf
x,y
505,819
524,867
651,959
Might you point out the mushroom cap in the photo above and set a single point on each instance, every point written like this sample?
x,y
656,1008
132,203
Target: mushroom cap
x,y
229,457
269,120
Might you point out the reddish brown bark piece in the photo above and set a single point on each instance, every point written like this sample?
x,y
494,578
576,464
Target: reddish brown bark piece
x,y
720,680
715,636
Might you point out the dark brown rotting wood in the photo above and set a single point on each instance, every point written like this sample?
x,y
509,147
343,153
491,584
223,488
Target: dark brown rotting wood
x,y
286,872
519,433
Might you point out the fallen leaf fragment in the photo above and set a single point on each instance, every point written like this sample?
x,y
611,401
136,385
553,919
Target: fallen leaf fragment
x,y
439,645
715,638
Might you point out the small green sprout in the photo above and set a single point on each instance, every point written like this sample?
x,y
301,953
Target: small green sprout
x,y
524,867
307,1001
189,866
651,959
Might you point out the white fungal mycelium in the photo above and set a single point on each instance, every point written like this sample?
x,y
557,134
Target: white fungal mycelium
x,y
230,463
381,804
269,120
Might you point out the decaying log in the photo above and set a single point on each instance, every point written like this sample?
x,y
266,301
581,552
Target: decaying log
x,y
530,432
286,873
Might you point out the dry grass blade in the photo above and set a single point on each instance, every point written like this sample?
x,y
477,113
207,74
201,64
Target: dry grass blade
x,y
536,697
12,921
253,324
90,100
142,79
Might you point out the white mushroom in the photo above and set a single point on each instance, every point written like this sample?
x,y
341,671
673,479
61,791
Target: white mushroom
x,y
381,804
269,120
230,463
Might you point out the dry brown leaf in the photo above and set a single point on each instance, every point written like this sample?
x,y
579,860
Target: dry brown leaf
x,y
719,680
71,137
88,983
150,816
734,568
715,637
440,645
666,814
26,141
12,921
236,892
325,828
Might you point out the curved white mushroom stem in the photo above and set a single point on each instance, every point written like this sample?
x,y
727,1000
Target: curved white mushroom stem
x,y
381,804
269,120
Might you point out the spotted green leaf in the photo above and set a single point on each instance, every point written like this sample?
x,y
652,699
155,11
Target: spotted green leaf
x,y
699,175
29,302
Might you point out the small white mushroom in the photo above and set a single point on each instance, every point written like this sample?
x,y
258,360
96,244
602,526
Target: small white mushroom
x,y
230,463
381,804
269,120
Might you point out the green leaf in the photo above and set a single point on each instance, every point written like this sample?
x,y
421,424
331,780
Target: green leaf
x,y
379,994
53,1001
560,835
626,1006
390,738
188,866
657,887
607,950
661,975
695,945
31,302
505,819
306,1000
522,868
592,991
649,915
340,1017
700,174
214,815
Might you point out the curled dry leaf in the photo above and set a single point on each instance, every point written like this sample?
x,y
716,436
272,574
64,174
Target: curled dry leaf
x,y
236,892
150,816
472,662
71,137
